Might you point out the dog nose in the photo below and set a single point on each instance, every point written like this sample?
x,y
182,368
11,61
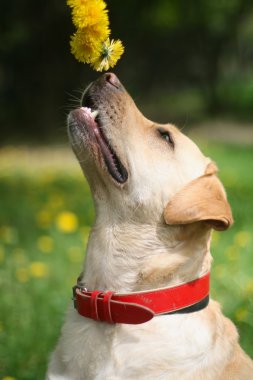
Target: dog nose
x,y
112,79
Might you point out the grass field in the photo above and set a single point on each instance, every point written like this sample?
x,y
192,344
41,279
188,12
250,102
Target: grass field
x,y
46,214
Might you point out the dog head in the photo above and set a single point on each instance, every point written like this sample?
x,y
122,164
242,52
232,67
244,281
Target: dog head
x,y
138,168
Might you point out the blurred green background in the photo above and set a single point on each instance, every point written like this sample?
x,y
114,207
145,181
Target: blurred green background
x,y
186,63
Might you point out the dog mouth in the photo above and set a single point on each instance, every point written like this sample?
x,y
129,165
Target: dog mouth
x,y
87,120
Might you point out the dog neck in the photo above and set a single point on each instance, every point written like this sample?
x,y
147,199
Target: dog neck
x,y
131,256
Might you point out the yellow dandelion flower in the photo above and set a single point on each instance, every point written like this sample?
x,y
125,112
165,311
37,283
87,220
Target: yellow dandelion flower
x,y
232,253
98,32
38,269
83,46
67,222
8,378
45,244
22,275
248,288
75,254
76,3
56,201
44,218
90,43
109,55
8,234
89,14
241,315
242,238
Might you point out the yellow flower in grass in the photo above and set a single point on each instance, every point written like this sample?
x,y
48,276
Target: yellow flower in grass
x,y
8,378
38,269
8,234
45,244
241,315
232,253
249,288
67,222
56,201
22,275
90,13
242,238
109,55
44,218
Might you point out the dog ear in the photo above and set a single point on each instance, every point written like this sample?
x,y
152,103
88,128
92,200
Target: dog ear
x,y
203,199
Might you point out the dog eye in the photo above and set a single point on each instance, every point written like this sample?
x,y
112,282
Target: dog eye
x,y
166,136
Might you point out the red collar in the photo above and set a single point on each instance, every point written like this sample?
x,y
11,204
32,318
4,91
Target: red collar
x,y
140,307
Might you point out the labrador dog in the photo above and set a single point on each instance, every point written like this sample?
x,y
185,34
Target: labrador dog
x,y
141,303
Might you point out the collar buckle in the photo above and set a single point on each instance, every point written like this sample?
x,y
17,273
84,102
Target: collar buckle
x,y
74,288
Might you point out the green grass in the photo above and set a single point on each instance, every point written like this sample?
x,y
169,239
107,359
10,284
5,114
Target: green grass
x,y
45,218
